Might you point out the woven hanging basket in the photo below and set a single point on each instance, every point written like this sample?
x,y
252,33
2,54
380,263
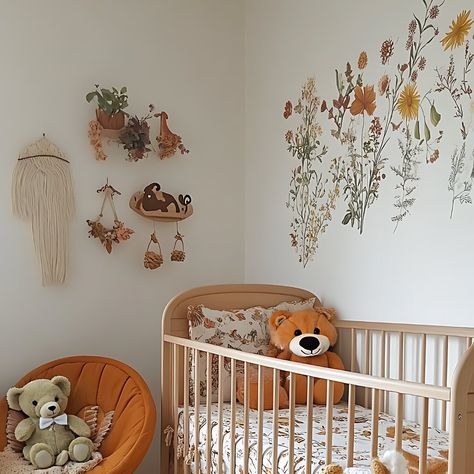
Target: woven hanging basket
x,y
153,260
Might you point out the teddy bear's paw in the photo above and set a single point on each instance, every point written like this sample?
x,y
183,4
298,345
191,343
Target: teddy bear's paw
x,y
80,450
41,456
331,469
62,458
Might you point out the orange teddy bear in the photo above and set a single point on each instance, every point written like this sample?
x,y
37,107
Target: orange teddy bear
x,y
306,337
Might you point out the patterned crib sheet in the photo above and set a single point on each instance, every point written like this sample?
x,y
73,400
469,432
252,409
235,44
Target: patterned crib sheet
x,y
437,439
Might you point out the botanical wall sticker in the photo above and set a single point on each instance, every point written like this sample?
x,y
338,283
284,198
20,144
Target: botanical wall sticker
x,y
340,143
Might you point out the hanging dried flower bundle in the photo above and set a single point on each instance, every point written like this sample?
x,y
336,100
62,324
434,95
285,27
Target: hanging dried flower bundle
x,y
108,236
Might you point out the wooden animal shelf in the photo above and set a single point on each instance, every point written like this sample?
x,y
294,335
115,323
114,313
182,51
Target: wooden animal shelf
x,y
154,204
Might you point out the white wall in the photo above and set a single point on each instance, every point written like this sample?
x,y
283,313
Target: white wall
x,y
186,57
423,272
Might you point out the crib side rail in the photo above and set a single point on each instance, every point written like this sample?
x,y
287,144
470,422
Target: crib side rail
x,y
175,391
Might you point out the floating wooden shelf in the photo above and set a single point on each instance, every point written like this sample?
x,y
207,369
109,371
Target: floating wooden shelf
x,y
161,207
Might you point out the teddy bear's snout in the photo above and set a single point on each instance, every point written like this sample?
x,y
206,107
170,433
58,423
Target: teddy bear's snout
x,y
309,343
49,409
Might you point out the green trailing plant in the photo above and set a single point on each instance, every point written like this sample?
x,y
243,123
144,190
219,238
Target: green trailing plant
x,y
110,101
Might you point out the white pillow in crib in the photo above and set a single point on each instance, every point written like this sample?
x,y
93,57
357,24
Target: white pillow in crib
x,y
241,329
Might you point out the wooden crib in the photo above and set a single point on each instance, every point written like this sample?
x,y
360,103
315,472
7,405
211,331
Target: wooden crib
x,y
375,378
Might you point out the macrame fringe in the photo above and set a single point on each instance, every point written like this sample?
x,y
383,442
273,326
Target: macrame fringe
x,y
103,429
42,193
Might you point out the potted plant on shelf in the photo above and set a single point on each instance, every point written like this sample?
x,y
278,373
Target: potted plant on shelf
x,y
111,104
135,137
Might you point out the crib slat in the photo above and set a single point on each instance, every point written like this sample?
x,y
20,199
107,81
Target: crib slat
x,y
186,406
175,407
309,421
375,423
276,403
233,397
260,420
382,368
291,427
350,426
197,404
367,365
329,409
208,411
401,356
444,381
220,422
424,436
423,359
353,350
399,422
469,342
246,416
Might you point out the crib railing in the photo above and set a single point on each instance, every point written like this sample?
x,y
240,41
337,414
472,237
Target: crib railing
x,y
373,387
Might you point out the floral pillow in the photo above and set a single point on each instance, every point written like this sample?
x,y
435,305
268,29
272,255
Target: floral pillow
x,y
241,329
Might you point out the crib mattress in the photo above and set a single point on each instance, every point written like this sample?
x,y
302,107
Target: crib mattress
x,y
437,439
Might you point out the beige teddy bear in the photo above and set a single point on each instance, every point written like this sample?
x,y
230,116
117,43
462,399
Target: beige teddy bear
x,y
51,437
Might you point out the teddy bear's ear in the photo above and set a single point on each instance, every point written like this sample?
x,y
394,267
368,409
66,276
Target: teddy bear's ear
x,y
13,398
63,383
330,313
276,319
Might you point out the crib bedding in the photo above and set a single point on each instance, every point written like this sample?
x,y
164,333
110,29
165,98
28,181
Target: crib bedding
x,y
437,439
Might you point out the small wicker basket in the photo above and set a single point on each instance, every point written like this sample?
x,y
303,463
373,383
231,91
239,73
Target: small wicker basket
x,y
153,260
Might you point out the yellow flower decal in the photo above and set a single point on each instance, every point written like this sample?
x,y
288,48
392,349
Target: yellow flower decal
x,y
409,102
458,31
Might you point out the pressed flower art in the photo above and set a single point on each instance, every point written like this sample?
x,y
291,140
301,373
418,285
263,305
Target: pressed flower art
x,y
405,102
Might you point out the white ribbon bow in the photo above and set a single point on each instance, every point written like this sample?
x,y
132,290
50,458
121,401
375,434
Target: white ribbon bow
x,y
47,422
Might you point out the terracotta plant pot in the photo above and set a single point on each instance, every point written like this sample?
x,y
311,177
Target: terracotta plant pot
x,y
110,122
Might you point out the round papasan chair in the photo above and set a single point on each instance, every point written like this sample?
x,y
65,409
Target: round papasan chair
x,y
111,385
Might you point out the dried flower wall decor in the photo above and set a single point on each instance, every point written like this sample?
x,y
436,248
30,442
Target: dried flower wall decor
x,y
365,115
132,134
118,232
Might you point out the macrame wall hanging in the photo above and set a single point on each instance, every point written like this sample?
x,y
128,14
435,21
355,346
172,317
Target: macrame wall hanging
x,y
113,124
108,236
42,193
158,206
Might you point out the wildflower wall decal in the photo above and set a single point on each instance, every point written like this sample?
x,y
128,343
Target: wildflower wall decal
x,y
405,105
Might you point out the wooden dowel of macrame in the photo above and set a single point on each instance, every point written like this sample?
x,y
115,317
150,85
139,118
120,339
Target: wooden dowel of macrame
x,y
260,420
291,427
399,422
353,350
444,381
220,422
309,422
375,423
401,356
233,398
329,409
186,406
366,365
382,368
208,411
197,404
424,436
423,359
175,407
276,403
246,416
350,426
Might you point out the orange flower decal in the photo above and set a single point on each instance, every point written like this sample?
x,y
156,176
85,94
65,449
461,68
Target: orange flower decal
x,y
364,100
